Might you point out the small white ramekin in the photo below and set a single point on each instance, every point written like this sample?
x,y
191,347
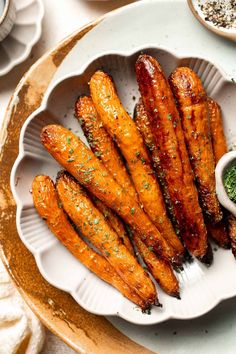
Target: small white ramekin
x,y
226,160
7,18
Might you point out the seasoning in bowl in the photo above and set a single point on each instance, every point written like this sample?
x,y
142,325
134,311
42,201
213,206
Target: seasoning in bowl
x,y
221,13
229,180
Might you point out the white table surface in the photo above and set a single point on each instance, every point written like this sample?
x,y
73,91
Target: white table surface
x,y
212,333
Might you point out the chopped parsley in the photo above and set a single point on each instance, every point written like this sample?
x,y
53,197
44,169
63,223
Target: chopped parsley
x,y
68,139
71,151
169,116
71,159
132,210
146,185
116,249
97,153
143,160
229,179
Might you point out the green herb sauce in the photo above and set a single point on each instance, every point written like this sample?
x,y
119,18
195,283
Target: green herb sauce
x,y
229,180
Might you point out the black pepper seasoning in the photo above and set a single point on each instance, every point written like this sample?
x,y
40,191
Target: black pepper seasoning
x,y
221,13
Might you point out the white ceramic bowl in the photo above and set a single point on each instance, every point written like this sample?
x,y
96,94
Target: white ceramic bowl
x,y
195,7
201,288
225,161
7,17
26,31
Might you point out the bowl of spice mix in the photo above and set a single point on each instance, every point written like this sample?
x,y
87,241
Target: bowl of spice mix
x,y
218,16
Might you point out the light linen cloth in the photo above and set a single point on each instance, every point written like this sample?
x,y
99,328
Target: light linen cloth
x,y
20,330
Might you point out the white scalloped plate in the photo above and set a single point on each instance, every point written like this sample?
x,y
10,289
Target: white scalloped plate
x,y
16,47
201,288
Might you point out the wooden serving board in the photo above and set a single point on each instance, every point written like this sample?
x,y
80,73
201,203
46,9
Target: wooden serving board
x,y
82,331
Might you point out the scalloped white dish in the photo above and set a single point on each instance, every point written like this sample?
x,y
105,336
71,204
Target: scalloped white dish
x,y
201,288
16,47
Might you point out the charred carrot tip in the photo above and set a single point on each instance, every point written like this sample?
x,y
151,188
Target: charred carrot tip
x,y
45,133
80,100
146,309
157,303
178,268
62,174
143,56
226,246
176,295
207,259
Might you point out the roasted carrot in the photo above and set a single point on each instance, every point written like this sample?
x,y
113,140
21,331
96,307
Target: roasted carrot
x,y
48,205
191,101
121,127
115,222
101,143
232,232
217,130
220,148
166,127
143,125
104,148
159,268
79,160
93,225
219,233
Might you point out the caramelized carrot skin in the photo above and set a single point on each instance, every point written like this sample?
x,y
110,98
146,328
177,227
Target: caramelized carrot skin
x,y
217,130
115,222
104,148
232,233
93,225
159,268
219,234
121,127
47,204
143,124
191,99
76,158
166,127
220,148
101,143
